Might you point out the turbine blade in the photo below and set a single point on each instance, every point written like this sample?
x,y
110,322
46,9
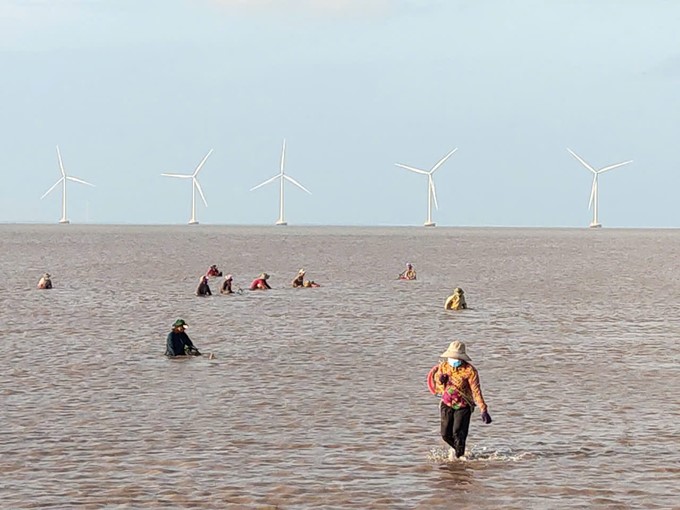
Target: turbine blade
x,y
54,186
582,161
434,192
200,191
416,170
593,190
75,179
200,165
283,155
61,165
297,184
612,167
441,161
266,182
181,176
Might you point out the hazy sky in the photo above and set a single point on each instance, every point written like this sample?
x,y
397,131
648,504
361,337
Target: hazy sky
x,y
129,89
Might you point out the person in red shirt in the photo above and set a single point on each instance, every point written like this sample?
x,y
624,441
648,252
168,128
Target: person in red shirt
x,y
213,271
260,283
457,381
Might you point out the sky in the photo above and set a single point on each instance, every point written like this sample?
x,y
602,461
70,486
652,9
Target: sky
x,y
129,90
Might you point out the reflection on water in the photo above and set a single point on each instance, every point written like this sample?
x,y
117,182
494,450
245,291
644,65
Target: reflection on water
x,y
317,397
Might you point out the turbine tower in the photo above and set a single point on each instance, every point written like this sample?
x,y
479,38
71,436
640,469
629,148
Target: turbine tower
x,y
594,191
282,177
195,185
62,181
431,191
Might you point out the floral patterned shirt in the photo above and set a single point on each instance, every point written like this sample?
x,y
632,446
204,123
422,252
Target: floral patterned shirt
x,y
461,386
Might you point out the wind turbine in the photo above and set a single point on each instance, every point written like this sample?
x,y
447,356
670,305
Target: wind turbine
x,y
593,192
283,177
195,185
62,181
431,191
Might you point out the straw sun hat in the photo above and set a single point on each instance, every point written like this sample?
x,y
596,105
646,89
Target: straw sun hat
x,y
456,350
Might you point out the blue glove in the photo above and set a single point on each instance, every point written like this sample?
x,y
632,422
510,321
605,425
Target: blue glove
x,y
486,418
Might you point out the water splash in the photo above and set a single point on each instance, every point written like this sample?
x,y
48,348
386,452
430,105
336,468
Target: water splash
x,y
481,454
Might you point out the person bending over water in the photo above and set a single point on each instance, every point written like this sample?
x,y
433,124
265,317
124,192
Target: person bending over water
x,y
299,280
45,281
457,381
409,273
226,285
456,301
203,287
260,283
178,342
213,271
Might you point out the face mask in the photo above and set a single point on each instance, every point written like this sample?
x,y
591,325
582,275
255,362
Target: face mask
x,y
455,363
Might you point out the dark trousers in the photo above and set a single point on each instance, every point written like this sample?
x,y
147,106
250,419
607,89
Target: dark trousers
x,y
454,427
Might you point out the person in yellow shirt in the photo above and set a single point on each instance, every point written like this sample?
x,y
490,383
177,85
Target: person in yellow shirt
x,y
457,381
456,301
409,273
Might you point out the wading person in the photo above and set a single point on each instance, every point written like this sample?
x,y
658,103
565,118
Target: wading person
x,y
213,272
260,283
409,273
45,281
203,288
178,342
299,280
226,285
456,301
457,381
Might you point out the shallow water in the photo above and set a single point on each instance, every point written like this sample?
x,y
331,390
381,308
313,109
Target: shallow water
x,y
317,397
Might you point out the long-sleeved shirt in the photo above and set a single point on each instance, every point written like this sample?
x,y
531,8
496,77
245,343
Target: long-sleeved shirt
x,y
455,302
176,342
462,388
203,289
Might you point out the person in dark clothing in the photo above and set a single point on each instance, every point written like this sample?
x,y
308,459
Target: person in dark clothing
x,y
45,281
179,343
203,287
226,285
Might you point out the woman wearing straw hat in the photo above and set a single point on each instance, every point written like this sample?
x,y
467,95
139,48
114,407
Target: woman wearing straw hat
x,y
457,381
260,283
299,280
456,301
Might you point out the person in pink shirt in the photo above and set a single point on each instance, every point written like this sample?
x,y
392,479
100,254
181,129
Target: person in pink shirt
x,y
260,283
